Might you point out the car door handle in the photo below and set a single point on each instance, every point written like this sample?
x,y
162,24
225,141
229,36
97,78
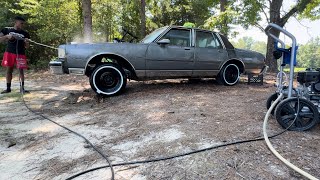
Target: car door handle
x,y
187,49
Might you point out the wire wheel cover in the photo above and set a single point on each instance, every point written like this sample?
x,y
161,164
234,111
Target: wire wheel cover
x,y
231,74
108,80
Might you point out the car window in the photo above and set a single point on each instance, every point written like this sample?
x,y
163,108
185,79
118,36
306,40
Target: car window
x,y
207,40
151,37
178,37
226,42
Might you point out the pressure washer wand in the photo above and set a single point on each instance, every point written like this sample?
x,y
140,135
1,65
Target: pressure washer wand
x,y
18,36
40,44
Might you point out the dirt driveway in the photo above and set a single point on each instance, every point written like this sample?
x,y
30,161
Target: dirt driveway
x,y
151,119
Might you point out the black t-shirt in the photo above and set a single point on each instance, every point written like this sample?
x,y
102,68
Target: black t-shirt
x,y
14,43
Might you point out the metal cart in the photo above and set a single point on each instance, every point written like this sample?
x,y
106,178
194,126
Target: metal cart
x,y
300,106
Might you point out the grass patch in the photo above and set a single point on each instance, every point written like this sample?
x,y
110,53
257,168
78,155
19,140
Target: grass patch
x,y
297,69
14,96
5,131
2,73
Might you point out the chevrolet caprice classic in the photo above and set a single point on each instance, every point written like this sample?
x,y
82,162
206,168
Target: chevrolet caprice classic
x,y
167,53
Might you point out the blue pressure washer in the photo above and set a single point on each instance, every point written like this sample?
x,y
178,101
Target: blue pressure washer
x,y
299,109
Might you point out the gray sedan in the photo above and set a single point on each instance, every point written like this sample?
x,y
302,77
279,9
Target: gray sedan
x,y
167,53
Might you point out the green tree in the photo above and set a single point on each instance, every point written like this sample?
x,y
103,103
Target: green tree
x,y
309,54
312,11
130,17
233,12
245,43
248,13
178,12
250,44
105,24
276,18
260,47
6,17
51,22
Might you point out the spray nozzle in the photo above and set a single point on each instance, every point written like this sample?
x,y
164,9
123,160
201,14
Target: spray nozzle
x,y
17,35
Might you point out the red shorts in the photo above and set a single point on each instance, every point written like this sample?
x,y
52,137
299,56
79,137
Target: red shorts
x,y
10,59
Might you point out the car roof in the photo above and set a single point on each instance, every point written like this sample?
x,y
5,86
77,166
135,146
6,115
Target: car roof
x,y
183,27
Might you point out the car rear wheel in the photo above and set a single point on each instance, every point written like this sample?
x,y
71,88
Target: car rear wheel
x,y
108,79
229,75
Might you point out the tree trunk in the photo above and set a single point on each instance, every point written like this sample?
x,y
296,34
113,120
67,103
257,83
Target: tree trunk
x,y
275,6
223,4
87,21
143,18
270,60
224,26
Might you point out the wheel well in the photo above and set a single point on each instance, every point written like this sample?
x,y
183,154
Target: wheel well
x,y
236,62
110,58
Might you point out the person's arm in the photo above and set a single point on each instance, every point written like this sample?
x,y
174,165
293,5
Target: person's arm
x,y
4,38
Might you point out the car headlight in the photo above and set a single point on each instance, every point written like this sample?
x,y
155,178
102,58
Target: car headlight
x,y
61,53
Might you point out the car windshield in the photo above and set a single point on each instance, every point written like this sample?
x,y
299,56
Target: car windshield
x,y
151,37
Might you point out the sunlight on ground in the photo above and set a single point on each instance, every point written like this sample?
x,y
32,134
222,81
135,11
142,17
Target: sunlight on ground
x,y
48,127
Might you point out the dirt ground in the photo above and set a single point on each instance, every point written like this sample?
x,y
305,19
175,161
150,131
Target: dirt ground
x,y
151,119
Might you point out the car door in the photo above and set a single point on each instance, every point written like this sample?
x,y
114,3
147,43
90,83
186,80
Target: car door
x,y
209,54
174,59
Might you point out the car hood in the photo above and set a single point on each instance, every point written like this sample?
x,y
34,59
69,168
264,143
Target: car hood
x,y
96,45
87,50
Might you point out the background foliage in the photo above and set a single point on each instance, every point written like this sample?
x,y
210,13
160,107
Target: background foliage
x,y
55,22
308,54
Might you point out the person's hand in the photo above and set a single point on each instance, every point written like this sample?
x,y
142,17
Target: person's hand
x,y
9,37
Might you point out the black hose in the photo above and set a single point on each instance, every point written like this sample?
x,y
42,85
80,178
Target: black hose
x,y
191,152
163,158
178,155
44,117
148,160
84,138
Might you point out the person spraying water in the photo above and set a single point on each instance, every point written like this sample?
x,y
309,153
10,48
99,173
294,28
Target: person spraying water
x,y
17,42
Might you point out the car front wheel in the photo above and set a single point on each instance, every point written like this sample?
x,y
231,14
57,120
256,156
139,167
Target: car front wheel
x,y
108,79
229,75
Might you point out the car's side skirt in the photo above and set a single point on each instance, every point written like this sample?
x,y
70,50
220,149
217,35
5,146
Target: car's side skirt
x,y
205,73
168,73
174,74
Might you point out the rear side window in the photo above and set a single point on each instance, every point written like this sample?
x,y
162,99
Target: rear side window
x,y
226,42
178,37
207,40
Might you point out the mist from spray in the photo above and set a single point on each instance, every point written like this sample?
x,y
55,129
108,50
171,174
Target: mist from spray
x,y
97,37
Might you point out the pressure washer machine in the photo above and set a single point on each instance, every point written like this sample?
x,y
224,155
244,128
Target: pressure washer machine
x,y
299,108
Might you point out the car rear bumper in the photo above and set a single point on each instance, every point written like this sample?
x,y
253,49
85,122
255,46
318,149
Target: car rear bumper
x,y
262,70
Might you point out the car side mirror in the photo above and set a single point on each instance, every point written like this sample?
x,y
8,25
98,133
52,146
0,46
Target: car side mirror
x,y
163,42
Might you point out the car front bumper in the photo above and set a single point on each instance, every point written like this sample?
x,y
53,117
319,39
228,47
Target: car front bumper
x,y
56,67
